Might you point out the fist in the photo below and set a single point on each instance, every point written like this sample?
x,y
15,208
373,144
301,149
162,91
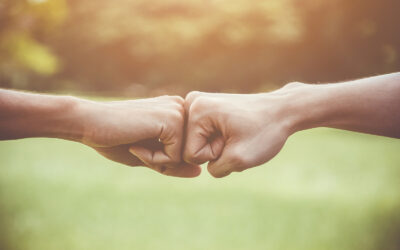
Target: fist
x,y
234,132
146,132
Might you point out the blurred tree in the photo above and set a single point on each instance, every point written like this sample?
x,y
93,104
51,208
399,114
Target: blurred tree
x,y
24,27
149,47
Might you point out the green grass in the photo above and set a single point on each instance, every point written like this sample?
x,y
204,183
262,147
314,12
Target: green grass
x,y
327,189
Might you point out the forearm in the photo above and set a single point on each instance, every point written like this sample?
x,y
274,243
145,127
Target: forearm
x,y
24,115
370,105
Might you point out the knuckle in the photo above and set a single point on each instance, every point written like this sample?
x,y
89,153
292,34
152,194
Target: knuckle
x,y
181,109
174,108
179,118
190,98
192,95
293,85
177,99
176,115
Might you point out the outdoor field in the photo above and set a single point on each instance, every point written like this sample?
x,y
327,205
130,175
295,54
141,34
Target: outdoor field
x,y
327,190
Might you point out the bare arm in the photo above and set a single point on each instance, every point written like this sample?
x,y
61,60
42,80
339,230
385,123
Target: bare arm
x,y
25,115
370,105
235,132
146,132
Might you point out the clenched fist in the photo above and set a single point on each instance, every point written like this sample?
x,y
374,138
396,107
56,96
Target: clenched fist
x,y
234,132
139,132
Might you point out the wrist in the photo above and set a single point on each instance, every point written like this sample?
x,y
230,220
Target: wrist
x,y
304,106
65,119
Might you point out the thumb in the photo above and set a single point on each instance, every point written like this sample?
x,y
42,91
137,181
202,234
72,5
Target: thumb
x,y
231,160
199,148
160,162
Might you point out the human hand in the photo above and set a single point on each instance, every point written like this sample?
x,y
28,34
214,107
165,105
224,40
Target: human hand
x,y
235,132
139,132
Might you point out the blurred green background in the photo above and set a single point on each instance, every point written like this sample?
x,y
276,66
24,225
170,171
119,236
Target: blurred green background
x,y
327,189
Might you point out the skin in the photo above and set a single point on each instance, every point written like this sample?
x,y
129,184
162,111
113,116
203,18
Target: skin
x,y
147,132
234,132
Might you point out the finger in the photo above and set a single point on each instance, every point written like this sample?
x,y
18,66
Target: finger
x,y
171,135
200,145
173,143
203,139
161,163
184,170
201,153
219,168
231,160
149,157
196,137
197,150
